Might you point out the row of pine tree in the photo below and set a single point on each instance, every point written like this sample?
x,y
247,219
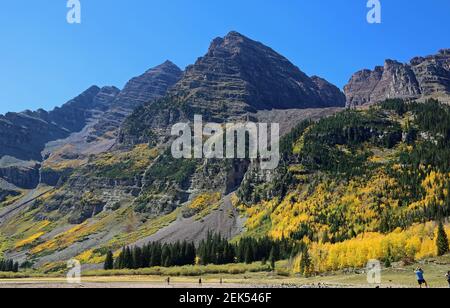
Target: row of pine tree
x,y
213,250
9,266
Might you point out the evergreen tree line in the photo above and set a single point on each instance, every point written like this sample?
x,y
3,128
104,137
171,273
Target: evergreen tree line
x,y
9,266
153,254
213,250
250,250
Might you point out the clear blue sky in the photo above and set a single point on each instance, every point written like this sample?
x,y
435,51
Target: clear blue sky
x,y
44,61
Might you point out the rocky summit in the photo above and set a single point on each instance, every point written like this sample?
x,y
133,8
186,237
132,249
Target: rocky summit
x,y
235,79
248,75
422,78
146,88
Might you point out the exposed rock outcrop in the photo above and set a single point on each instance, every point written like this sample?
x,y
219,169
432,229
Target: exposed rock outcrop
x,y
26,177
423,77
4,194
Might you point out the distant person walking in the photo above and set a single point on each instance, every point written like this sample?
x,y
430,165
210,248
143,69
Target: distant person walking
x,y
420,277
448,278
168,281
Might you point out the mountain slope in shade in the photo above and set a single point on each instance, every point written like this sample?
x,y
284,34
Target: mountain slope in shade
x,y
86,125
146,88
23,135
235,79
423,77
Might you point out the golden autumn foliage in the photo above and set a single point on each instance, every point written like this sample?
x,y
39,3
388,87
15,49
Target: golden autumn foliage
x,y
91,257
23,232
29,240
435,189
139,158
332,211
202,205
204,200
74,234
61,241
354,207
415,243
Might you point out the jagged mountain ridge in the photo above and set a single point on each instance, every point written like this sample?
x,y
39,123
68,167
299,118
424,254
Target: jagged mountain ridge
x,y
422,78
146,88
83,126
23,135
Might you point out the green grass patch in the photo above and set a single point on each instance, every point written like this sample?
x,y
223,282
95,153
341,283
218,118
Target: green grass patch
x,y
188,271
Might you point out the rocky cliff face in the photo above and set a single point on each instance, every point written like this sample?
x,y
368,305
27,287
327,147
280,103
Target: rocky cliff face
x,y
4,194
423,77
245,74
26,177
236,78
328,93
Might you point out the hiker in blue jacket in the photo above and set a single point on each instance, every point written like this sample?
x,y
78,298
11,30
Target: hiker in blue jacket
x,y
420,277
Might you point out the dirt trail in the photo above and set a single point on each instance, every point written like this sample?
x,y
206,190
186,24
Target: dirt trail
x,y
108,285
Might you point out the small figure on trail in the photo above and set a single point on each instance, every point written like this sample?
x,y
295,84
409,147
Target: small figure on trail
x,y
200,281
420,277
221,281
168,281
448,278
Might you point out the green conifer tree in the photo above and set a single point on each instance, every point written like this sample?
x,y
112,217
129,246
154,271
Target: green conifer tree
x,y
442,241
109,261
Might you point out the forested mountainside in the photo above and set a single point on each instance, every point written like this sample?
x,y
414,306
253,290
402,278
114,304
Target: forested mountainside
x,y
359,182
358,171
